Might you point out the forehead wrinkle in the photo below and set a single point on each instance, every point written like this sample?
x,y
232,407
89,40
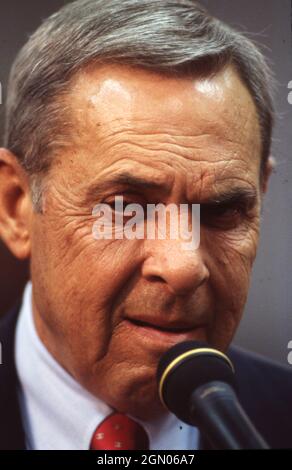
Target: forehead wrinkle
x,y
193,160
152,127
201,134
181,145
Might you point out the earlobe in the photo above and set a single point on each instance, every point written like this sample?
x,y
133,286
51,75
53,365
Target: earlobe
x,y
269,167
15,206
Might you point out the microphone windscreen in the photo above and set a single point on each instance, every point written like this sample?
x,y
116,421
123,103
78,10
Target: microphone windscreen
x,y
185,367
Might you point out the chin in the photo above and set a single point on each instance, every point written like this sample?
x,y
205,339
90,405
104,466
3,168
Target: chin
x,y
148,411
138,399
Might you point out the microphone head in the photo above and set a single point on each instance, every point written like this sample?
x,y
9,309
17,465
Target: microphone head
x,y
185,367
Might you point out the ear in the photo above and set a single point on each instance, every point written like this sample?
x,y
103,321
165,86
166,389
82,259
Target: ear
x,y
15,205
269,167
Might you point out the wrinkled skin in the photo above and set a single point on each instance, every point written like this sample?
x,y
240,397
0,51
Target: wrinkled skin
x,y
195,138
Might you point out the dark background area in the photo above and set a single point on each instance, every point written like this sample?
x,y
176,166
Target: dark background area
x,y
267,323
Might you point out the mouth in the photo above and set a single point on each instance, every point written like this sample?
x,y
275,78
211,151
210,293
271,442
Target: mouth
x,y
153,331
169,329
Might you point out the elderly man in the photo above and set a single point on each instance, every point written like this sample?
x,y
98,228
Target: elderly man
x,y
153,102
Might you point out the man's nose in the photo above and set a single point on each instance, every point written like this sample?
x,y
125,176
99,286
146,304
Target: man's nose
x,y
182,270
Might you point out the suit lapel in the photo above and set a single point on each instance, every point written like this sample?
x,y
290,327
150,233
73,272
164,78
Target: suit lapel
x,y
11,429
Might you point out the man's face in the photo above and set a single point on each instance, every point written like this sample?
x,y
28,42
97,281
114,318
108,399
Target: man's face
x,y
104,307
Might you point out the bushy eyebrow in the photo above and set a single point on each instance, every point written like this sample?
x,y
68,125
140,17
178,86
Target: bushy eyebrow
x,y
243,195
236,195
124,179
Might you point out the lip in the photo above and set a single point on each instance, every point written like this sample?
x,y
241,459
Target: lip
x,y
156,334
157,322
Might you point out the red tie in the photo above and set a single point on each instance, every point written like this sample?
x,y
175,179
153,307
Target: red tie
x,y
119,432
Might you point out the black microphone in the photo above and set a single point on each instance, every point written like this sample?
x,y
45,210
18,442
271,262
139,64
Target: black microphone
x,y
197,383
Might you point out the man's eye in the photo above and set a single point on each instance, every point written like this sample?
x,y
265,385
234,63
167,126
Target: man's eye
x,y
119,203
118,206
225,217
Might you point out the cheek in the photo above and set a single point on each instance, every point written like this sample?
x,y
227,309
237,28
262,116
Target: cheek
x,y
76,264
77,279
232,254
231,258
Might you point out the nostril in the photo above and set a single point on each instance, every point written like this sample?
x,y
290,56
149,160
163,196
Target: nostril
x,y
154,278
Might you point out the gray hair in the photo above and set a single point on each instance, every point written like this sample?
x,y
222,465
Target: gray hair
x,y
167,36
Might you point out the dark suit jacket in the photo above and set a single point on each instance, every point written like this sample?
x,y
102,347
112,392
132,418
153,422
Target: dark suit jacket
x,y
264,388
